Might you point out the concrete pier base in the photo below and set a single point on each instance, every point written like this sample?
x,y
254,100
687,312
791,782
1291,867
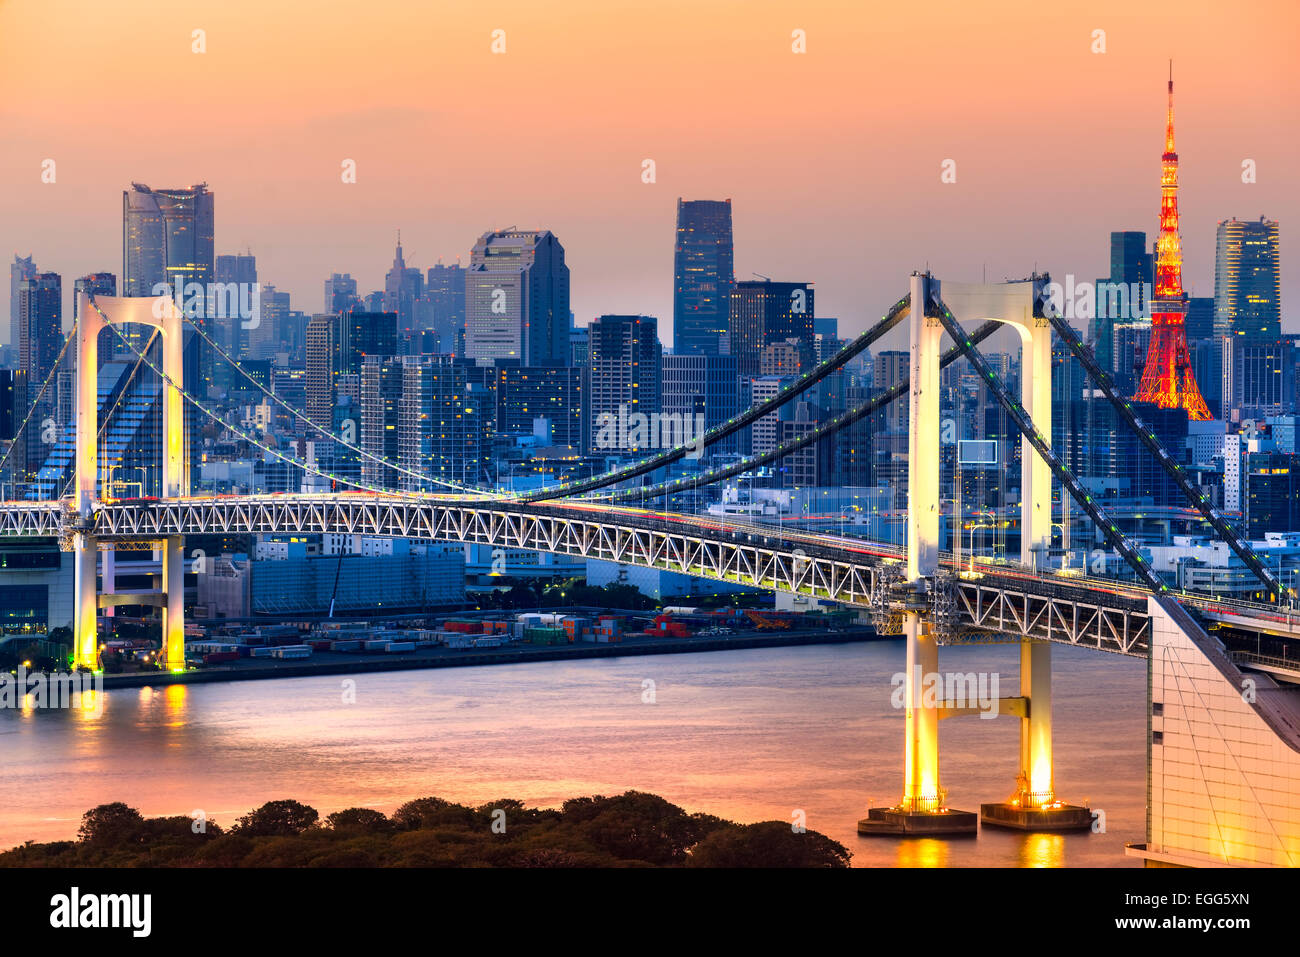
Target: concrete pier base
x,y
1064,817
892,822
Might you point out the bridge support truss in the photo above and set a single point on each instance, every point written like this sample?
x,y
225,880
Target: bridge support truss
x,y
96,313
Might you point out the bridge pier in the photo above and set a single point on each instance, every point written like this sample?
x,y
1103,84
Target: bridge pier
x,y
85,602
923,809
173,610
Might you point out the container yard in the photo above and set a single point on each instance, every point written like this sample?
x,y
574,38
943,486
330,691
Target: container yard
x,y
231,651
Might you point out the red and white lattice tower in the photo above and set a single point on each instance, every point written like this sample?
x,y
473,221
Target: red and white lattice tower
x,y
1168,380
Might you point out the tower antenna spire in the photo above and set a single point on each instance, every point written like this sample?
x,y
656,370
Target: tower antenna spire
x,y
1168,380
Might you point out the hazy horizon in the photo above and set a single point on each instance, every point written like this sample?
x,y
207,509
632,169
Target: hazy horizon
x,y
831,158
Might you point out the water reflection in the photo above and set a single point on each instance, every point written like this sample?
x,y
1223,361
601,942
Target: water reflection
x,y
922,852
546,732
1042,850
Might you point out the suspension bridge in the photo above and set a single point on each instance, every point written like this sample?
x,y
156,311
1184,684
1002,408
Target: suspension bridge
x,y
1231,809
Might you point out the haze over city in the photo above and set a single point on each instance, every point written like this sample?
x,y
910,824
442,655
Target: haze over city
x,y
832,159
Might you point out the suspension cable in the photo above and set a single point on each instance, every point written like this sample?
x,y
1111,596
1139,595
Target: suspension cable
x,y
324,431
892,318
841,421
240,432
37,401
67,486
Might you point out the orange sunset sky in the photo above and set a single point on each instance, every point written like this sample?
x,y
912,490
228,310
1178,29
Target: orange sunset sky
x,y
831,158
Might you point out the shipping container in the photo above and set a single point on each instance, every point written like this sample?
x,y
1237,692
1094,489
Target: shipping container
x,y
394,647
290,651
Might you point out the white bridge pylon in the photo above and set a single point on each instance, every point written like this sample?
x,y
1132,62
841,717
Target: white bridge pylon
x,y
1011,303
94,314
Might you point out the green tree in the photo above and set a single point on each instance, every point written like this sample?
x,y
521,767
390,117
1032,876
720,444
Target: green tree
x,y
359,820
111,825
278,819
767,844
430,812
637,826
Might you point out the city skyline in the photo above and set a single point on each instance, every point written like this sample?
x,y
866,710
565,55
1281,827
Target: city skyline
x,y
720,369
617,229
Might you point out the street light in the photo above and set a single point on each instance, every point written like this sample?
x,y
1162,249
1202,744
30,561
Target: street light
x,y
975,525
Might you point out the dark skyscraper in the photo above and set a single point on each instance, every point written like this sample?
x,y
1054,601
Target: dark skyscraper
x,y
763,312
167,234
625,368
442,307
1132,266
229,331
557,394
102,284
40,337
703,273
23,267
360,334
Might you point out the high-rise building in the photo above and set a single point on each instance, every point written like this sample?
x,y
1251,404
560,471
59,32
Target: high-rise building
x,y
1168,380
703,273
381,400
517,298
96,283
40,338
129,452
359,334
703,386
555,393
102,284
442,307
765,432
1258,376
762,312
1199,322
23,267
1272,493
1132,268
321,358
889,368
230,330
579,346
167,235
1247,279
403,285
625,368
340,293
1131,341
441,424
266,339
7,423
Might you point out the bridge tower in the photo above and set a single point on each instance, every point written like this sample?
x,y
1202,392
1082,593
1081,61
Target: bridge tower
x,y
923,808
1013,304
94,314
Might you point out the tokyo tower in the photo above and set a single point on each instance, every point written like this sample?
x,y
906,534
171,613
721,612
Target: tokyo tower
x,y
1167,380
